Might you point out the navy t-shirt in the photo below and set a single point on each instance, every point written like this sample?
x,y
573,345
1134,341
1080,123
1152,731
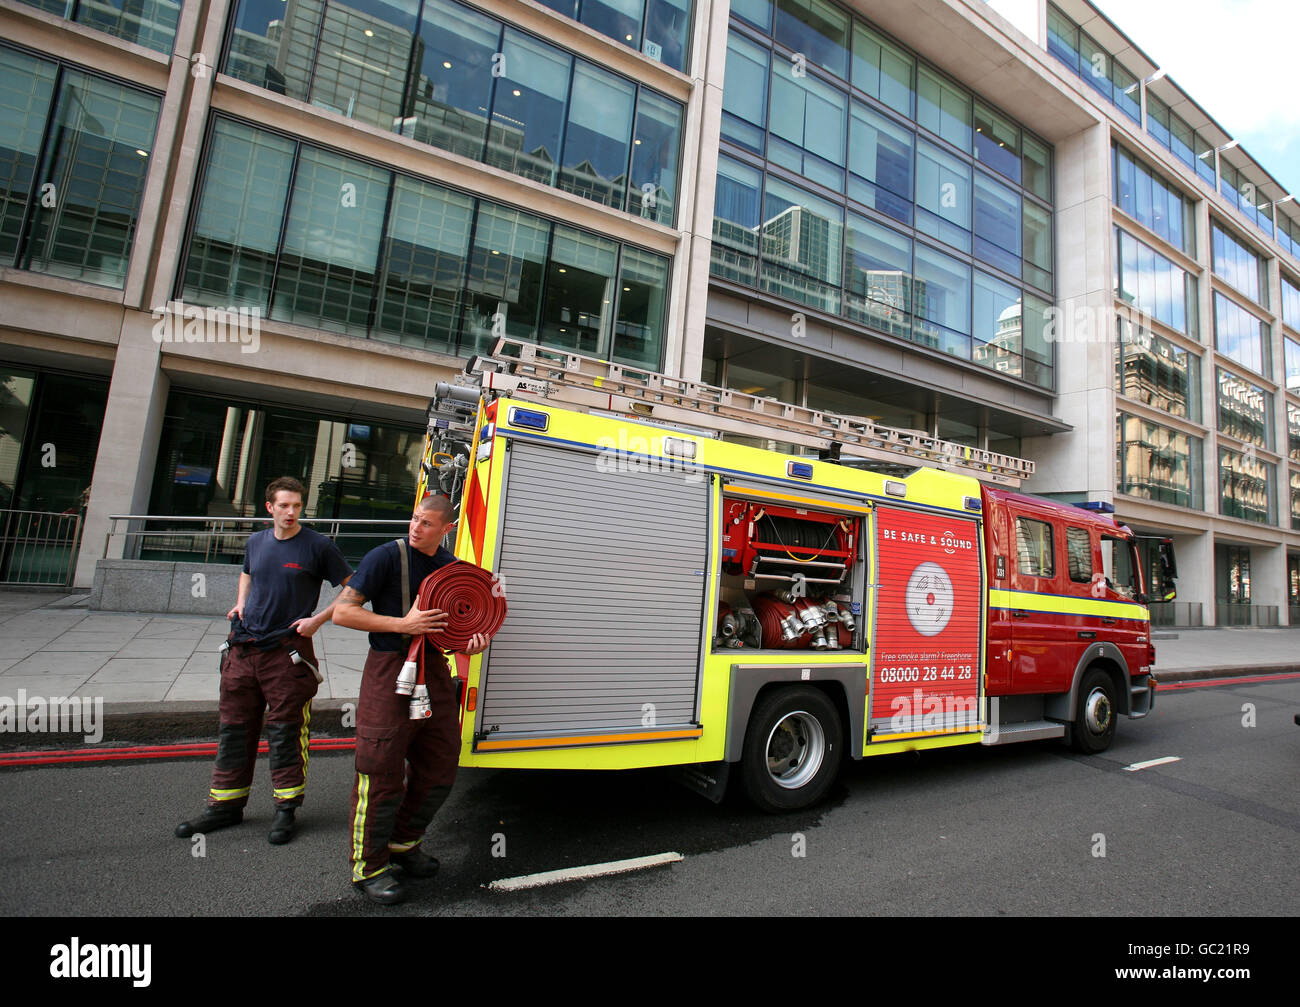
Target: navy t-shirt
x,y
287,575
379,579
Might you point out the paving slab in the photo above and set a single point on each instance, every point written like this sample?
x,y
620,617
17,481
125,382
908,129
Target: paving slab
x,y
60,663
138,670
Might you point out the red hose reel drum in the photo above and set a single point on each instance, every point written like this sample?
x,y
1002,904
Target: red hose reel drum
x,y
471,597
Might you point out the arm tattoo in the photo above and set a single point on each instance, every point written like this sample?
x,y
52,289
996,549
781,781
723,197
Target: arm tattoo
x,y
350,596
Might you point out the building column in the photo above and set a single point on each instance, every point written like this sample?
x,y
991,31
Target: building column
x,y
1195,556
128,445
1268,578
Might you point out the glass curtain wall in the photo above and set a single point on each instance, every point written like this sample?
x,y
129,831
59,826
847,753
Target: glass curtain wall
x,y
1153,202
150,23
1154,285
1156,371
319,239
450,76
658,28
887,153
1241,336
1246,487
74,155
1238,265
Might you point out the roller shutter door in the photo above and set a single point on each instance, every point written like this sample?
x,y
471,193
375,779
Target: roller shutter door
x,y
604,576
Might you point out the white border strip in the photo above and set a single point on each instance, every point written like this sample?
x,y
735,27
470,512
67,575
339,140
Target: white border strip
x,y
1152,762
582,873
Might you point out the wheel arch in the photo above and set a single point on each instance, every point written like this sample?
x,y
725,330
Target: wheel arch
x,y
752,683
1064,706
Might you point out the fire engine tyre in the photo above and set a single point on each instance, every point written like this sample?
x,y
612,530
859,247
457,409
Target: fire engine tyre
x,y
792,749
1094,726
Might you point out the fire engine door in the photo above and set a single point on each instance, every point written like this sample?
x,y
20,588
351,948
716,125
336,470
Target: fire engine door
x,y
927,648
603,559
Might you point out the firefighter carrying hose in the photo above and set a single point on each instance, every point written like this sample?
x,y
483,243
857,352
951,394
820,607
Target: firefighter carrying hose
x,y
391,805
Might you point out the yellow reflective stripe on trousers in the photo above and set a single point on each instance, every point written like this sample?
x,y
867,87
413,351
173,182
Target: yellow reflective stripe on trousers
x,y
403,847
303,737
228,795
1058,605
359,827
284,793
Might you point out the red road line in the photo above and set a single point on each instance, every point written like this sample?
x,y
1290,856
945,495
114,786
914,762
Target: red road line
x,y
206,749
1206,683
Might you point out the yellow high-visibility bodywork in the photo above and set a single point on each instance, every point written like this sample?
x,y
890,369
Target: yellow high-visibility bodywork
x,y
755,474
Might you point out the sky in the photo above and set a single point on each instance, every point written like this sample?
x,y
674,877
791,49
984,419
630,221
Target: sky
x,y
1238,59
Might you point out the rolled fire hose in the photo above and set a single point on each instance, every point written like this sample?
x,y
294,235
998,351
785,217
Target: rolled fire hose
x,y
474,604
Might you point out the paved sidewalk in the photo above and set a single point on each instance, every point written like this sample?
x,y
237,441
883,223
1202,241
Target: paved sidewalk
x,y
52,645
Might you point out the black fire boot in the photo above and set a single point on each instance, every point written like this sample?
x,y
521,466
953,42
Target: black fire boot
x,y
282,828
415,863
384,888
211,820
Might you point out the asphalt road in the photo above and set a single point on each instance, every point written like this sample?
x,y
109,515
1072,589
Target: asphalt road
x,y
1010,830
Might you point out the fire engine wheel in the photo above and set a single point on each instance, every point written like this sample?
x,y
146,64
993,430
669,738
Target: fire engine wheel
x,y
1094,727
792,748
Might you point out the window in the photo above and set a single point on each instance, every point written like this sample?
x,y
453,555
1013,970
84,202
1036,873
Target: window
x,y
97,138
1153,202
1245,410
882,70
802,241
878,277
880,163
1291,350
808,126
744,94
997,142
943,109
997,224
737,202
454,78
1156,371
1290,304
1034,555
1155,285
1118,566
1241,336
941,299
1246,487
998,342
150,23
817,29
1037,265
1238,265
943,196
406,260
1155,462
1078,550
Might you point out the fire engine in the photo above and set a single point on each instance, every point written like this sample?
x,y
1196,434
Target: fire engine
x,y
680,599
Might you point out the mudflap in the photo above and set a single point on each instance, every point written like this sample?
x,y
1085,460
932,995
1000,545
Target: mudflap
x,y
707,778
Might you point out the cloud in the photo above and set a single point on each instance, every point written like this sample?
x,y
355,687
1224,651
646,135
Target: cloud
x,y
1237,59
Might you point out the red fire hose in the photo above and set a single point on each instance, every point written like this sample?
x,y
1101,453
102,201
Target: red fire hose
x,y
473,601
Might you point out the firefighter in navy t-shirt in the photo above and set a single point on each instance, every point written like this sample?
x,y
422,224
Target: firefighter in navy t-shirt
x,y
391,804
272,620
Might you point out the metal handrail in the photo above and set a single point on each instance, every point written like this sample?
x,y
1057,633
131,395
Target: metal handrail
x,y
212,530
28,539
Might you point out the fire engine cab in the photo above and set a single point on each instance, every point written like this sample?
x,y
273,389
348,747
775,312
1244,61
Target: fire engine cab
x,y
677,599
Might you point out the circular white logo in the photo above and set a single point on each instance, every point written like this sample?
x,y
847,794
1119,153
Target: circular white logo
x,y
929,599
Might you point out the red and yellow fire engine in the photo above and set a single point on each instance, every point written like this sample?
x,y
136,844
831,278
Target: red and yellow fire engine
x,y
677,599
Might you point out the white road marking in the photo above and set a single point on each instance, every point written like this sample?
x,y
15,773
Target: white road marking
x,y
1152,762
580,873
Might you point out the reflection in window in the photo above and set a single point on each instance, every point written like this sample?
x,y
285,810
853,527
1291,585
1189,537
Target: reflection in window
x,y
596,140
1291,356
448,107
997,142
232,251
802,238
507,264
150,23
1238,265
744,94
579,292
425,254
736,207
326,277
642,301
878,277
1245,410
1155,285
1290,304
941,298
1153,202
1241,336
808,127
1246,487
943,196
653,193
997,333
96,158
528,110
997,224
1156,371
817,29
1155,462
880,163
26,87
1034,553
882,70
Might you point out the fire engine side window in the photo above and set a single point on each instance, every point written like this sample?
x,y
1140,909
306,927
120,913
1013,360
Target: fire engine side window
x,y
1078,552
1119,567
1034,555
